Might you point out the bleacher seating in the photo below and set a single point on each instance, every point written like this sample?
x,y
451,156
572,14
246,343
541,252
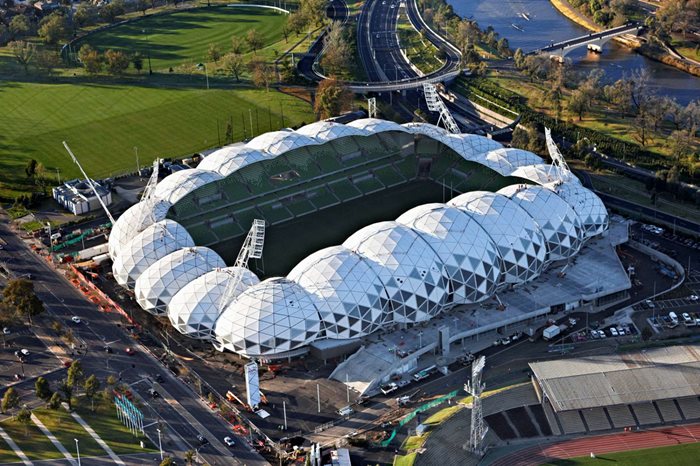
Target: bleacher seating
x,y
440,165
345,146
515,397
345,190
646,413
407,166
368,184
303,163
388,176
571,422
203,234
245,218
690,407
275,213
322,197
621,416
372,146
668,410
596,419
551,418
328,162
300,207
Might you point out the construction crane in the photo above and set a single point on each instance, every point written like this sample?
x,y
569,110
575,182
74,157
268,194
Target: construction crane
x,y
563,173
89,182
435,104
252,249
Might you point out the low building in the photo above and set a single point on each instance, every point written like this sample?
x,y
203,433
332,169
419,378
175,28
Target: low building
x,y
78,197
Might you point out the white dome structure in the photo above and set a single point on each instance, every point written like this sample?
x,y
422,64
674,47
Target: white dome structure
x,y
375,125
347,292
470,146
470,256
161,281
133,221
179,184
272,317
230,159
588,206
278,142
519,239
506,160
413,275
324,131
147,247
558,222
426,129
195,308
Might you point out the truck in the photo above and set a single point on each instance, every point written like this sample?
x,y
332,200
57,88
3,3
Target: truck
x,y
553,331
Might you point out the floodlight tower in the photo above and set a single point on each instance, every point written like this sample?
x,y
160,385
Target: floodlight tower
x,y
252,249
478,428
435,104
563,173
152,182
89,182
372,107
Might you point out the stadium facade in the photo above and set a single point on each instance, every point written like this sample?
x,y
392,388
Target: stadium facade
x,y
432,258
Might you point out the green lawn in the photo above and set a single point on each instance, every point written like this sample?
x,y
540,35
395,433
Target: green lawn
x,y
420,51
104,122
31,441
184,37
66,429
678,455
104,421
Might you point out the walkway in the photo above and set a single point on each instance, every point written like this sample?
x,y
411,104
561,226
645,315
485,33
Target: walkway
x,y
601,444
59,446
15,448
98,439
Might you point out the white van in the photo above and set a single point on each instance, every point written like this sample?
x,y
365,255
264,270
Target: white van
x,y
345,411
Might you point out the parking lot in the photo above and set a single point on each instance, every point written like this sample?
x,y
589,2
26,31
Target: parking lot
x,y
23,356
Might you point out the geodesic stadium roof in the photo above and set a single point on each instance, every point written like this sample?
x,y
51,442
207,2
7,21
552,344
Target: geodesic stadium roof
x,y
161,281
346,290
470,256
375,125
505,160
146,248
133,221
540,174
470,146
195,308
519,239
230,159
179,184
279,142
426,129
413,275
588,206
324,131
274,316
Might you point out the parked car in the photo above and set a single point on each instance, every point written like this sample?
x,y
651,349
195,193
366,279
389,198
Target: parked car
x,y
229,441
613,331
686,318
24,352
75,319
6,331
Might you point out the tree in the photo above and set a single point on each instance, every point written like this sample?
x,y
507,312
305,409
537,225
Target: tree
x,y
43,390
296,22
142,6
168,461
646,333
314,11
337,53
53,28
54,401
48,60
10,400
518,58
92,388
24,417
19,295
23,52
262,73
254,40
30,169
67,390
137,60
75,374
503,47
214,53
117,61
90,58
19,26
189,457
237,44
579,103
85,15
332,98
111,11
233,64
111,380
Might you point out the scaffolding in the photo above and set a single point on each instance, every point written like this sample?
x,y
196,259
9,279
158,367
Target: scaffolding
x,y
478,428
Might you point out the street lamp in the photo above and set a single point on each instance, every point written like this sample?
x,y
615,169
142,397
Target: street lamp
x,y
160,445
148,51
202,66
77,449
420,339
48,224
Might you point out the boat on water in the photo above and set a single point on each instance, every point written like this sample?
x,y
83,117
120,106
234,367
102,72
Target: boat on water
x,y
525,16
519,28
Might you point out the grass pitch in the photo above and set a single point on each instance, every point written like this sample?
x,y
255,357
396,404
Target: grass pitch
x,y
184,37
677,455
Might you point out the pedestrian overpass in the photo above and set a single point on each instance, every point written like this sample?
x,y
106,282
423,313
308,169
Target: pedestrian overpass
x,y
593,41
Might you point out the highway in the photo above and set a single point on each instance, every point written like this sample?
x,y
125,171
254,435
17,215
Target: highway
x,y
181,413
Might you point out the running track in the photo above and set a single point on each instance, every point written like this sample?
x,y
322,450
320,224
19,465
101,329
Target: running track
x,y
600,444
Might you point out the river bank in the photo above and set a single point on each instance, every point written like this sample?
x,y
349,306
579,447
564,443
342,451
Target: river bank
x,y
645,48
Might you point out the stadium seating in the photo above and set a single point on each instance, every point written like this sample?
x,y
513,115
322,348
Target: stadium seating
x,y
646,413
551,418
668,410
322,197
275,213
204,235
571,422
621,416
596,419
303,163
407,166
328,162
300,207
367,183
389,176
345,190
345,146
690,407
515,397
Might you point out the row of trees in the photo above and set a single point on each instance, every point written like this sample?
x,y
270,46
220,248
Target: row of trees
x,y
607,13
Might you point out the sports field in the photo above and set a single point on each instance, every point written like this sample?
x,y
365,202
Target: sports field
x,y
184,37
679,455
104,122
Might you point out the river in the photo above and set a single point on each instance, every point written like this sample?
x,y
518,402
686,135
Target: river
x,y
546,24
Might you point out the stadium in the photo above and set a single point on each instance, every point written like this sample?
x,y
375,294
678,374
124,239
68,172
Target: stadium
x,y
516,216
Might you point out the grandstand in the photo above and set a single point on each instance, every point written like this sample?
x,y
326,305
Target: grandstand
x,y
311,178
654,387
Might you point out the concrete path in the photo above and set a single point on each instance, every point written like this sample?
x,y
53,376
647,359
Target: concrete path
x,y
15,448
98,439
59,446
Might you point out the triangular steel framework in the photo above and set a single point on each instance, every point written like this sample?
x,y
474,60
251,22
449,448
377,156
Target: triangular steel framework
x,y
435,104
